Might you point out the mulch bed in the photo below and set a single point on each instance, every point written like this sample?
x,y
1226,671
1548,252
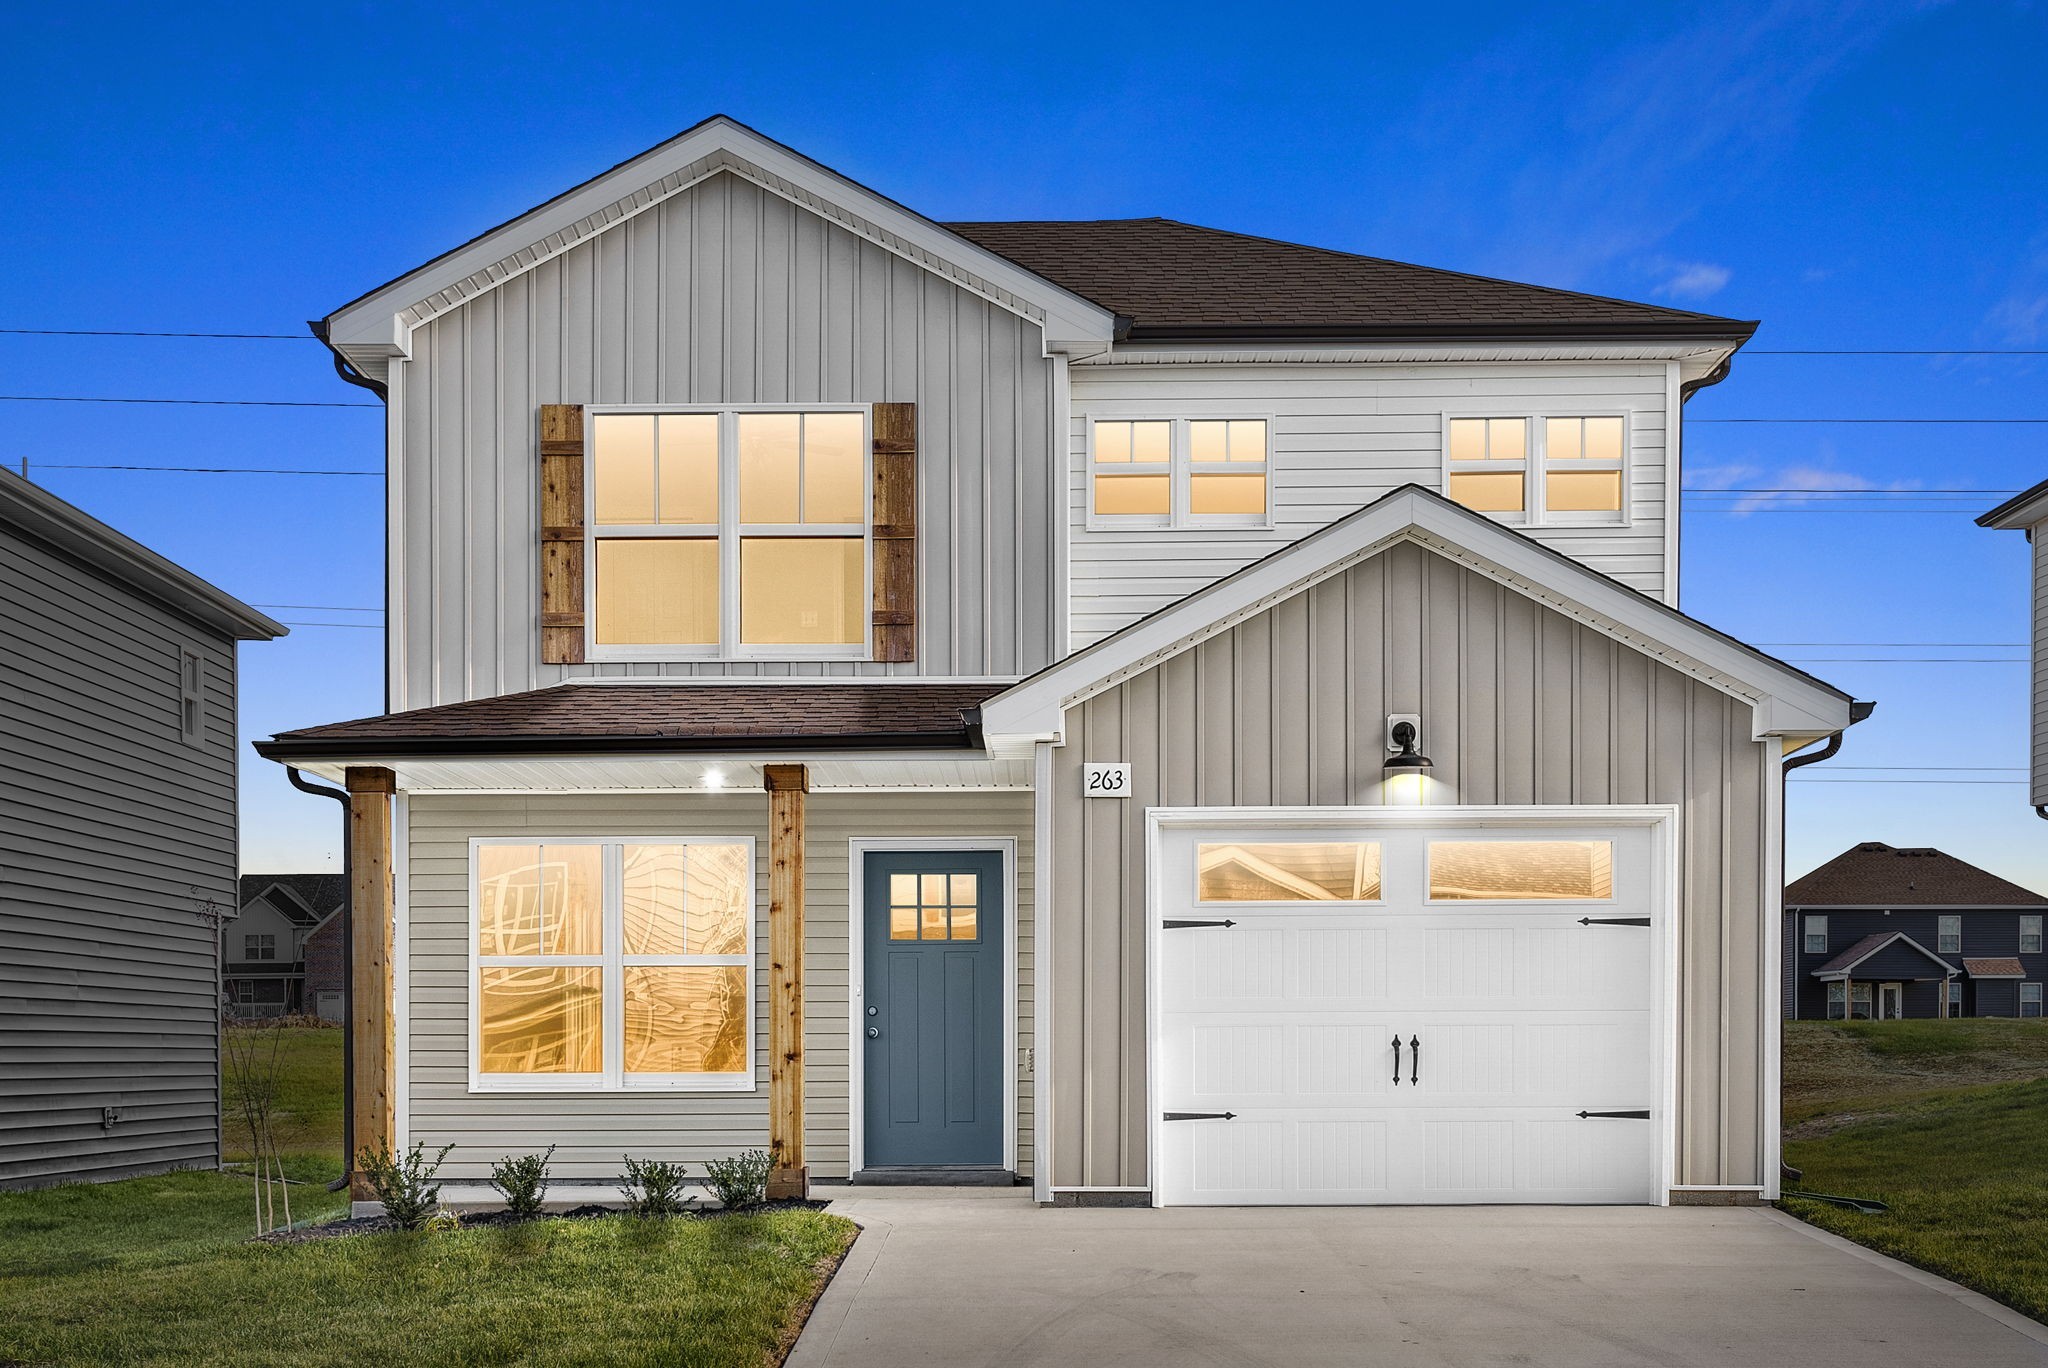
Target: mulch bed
x,y
384,1225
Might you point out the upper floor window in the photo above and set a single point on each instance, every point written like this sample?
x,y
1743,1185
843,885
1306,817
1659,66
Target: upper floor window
x,y
2030,935
259,947
1555,471
1949,935
1816,936
191,697
1179,472
729,534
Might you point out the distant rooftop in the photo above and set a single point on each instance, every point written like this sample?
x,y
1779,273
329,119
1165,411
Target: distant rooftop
x,y
1874,874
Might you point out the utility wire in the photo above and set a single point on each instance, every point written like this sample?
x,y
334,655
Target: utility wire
x,y
211,403
198,470
2019,421
1894,351
1998,783
133,332
317,607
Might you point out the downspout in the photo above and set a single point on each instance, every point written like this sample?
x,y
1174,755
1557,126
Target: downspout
x,y
344,368
348,960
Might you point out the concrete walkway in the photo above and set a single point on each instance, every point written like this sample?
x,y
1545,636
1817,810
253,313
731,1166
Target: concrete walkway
x,y
982,1277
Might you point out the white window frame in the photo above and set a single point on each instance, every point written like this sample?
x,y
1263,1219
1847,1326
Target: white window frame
x,y
2030,925
1813,924
191,697
1179,470
1953,990
1535,465
249,947
613,961
2022,1006
729,531
1948,927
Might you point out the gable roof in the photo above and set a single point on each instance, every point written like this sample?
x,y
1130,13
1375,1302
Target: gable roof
x,y
1787,701
591,718
2021,512
1874,874
376,326
41,514
1181,280
309,898
1862,950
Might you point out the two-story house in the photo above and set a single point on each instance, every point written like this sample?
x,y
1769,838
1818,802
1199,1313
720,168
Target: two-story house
x,y
1883,932
269,962
1165,715
2028,512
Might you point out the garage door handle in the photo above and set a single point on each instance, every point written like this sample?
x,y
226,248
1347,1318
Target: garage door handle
x,y
1171,924
1614,1116
1201,1116
1397,1061
1414,1060
1614,921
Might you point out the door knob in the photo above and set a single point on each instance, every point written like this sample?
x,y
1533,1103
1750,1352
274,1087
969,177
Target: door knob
x,y
874,1033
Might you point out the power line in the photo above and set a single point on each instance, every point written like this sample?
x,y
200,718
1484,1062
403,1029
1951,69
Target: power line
x,y
1953,645
211,403
1839,492
2020,421
1908,660
198,470
363,626
1940,769
1894,351
1997,783
316,607
134,332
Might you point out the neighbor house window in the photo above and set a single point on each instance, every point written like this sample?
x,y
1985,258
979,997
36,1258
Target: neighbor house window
x,y
1179,472
1555,470
729,534
2030,999
1816,936
1949,935
191,697
612,963
1848,1000
2030,935
1955,997
1520,871
259,947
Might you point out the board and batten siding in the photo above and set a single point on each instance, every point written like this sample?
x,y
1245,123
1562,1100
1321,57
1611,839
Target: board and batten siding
x,y
1342,435
594,1129
117,853
722,294
1519,705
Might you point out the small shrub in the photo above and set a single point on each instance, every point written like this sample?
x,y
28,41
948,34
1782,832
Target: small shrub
x,y
405,1185
654,1187
741,1181
443,1221
522,1182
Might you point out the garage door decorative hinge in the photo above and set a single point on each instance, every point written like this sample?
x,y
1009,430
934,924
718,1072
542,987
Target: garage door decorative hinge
x,y
1172,925
1614,921
1201,1116
1614,1115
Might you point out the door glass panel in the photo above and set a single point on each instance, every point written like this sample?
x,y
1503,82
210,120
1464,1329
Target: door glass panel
x,y
903,921
657,592
689,467
686,1019
623,470
508,899
963,903
934,920
1520,871
1305,871
541,1020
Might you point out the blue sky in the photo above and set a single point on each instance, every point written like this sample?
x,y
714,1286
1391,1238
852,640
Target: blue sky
x,y
1856,175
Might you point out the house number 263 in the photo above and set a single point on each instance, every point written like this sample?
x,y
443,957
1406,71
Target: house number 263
x,y
1104,780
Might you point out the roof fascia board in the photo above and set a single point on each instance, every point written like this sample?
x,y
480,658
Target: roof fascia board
x,y
1647,330
380,322
1783,699
42,514
1957,908
2021,513
1691,355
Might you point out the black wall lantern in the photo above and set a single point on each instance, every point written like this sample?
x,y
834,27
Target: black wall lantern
x,y
1405,759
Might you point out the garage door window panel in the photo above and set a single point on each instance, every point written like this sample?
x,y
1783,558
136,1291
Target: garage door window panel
x,y
1288,871
1521,871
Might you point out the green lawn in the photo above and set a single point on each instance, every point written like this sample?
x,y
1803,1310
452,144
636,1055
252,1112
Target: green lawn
x,y
158,1271
1947,1123
306,1108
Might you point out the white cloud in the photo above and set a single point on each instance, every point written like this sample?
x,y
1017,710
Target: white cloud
x,y
1694,279
1790,488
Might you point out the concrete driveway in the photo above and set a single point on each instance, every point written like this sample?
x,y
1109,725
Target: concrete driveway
x,y
983,1277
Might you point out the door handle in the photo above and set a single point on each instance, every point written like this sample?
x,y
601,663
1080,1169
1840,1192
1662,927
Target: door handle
x,y
1414,1060
874,1033
1397,1061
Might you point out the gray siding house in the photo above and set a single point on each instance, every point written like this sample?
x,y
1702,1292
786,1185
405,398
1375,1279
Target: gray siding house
x,y
2028,512
1164,715
117,845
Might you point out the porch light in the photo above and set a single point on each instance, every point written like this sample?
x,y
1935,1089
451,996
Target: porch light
x,y
1405,759
714,779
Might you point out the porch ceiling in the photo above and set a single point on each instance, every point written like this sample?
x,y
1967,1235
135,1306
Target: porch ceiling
x,y
739,772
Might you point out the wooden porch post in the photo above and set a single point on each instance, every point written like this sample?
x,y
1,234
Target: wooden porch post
x,y
370,910
786,786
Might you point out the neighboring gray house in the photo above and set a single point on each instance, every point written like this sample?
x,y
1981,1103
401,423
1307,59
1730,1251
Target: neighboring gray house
x,y
2028,512
269,961
117,845
1050,701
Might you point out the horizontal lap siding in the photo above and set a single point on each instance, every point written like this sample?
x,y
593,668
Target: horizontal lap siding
x,y
1342,436
722,294
595,1129
1519,705
115,837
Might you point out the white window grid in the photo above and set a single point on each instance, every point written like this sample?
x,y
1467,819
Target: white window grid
x,y
1179,468
613,961
1535,461
1816,936
729,530
2030,935
1948,935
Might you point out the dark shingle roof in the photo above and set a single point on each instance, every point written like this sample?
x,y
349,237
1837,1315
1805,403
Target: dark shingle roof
x,y
657,717
1179,280
1996,966
322,892
1870,945
1877,875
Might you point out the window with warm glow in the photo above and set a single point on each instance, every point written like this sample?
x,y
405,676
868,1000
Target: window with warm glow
x,y
1288,871
1550,471
1520,871
613,963
1180,472
736,533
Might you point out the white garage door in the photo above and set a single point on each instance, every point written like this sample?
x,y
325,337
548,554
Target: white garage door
x,y
1449,1014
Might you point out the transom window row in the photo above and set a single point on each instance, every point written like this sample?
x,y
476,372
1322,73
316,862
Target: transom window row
x,y
1349,871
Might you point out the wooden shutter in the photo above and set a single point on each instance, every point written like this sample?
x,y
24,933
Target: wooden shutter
x,y
561,534
895,521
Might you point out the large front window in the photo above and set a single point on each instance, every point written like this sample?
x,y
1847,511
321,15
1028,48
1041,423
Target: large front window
x,y
737,533
1550,471
1179,472
612,963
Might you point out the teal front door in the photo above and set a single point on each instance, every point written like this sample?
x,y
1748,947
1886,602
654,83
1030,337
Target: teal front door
x,y
932,1009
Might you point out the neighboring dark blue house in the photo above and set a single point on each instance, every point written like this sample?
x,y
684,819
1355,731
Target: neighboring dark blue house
x,y
1883,931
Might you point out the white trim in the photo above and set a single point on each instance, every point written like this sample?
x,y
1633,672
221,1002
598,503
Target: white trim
x,y
1041,975
1060,506
1674,474
1662,820
1099,1187
857,850
612,961
1784,700
401,972
777,681
395,603
1770,1005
